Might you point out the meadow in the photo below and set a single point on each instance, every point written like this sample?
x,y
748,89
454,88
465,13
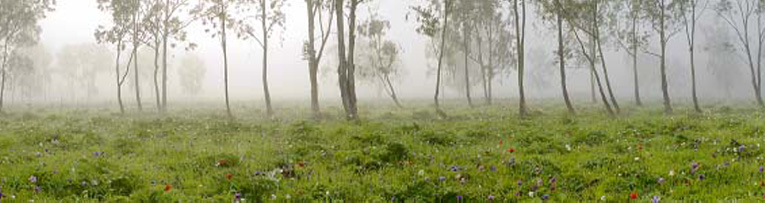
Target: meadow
x,y
481,154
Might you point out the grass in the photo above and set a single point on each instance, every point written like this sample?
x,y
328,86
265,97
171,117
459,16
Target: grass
x,y
392,154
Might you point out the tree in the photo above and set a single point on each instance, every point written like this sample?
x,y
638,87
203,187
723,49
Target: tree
x,y
122,14
347,67
315,10
19,28
379,56
740,16
217,14
191,72
691,11
429,18
493,44
269,16
82,65
553,9
630,38
519,11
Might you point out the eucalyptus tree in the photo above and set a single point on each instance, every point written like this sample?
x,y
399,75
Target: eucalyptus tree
x,y
191,74
316,12
492,41
583,17
519,12
664,18
432,18
117,34
19,28
630,37
553,10
346,54
82,64
218,15
379,57
745,18
691,11
268,16
173,21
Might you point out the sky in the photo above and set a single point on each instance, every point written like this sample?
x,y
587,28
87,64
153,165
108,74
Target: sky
x,y
75,21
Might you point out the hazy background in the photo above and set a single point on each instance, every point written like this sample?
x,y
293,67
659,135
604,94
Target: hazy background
x,y
75,21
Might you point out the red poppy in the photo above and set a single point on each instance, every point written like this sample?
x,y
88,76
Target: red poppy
x,y
633,195
640,147
229,176
168,187
511,150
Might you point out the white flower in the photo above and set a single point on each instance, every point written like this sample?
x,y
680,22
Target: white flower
x,y
273,196
421,173
603,198
671,173
288,197
568,147
637,158
531,194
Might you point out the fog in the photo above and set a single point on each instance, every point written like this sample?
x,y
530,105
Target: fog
x,y
73,23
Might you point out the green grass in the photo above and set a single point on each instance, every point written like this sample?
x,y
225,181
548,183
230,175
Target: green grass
x,y
401,153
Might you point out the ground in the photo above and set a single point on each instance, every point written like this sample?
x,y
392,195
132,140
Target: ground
x,y
478,153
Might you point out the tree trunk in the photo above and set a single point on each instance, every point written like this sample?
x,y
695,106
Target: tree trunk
x,y
466,51
225,63
3,76
634,60
266,92
663,43
351,66
165,38
135,64
594,72
562,58
520,37
441,58
157,95
691,35
117,75
342,64
592,85
596,37
313,68
392,91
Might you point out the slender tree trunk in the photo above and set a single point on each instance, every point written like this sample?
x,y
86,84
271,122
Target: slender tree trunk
x,y
164,74
596,37
135,64
441,51
690,31
466,51
663,43
635,59
594,72
342,64
157,95
117,75
313,68
593,98
266,92
392,91
759,56
351,66
3,71
520,37
562,59
225,62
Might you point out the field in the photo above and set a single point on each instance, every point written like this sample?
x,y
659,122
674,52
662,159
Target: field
x,y
392,154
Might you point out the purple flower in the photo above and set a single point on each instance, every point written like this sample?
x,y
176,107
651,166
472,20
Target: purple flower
x,y
491,197
38,189
701,177
518,194
32,179
655,199
493,168
83,183
455,168
459,197
442,179
661,180
545,197
741,149
393,199
238,195
97,154
1,193
762,169
520,183
553,180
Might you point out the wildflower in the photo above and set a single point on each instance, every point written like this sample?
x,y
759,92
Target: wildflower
x,y
518,194
97,154
442,179
168,187
603,198
640,147
661,180
741,149
519,182
273,196
1,194
634,195
531,194
671,173
762,169
393,199
637,158
32,179
701,177
568,147
421,172
455,168
229,176
553,180
459,197
491,197
238,195
655,199
84,183
500,142
493,168
545,197
511,150
38,189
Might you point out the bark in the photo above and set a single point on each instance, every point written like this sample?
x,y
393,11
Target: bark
x,y
690,31
165,38
663,43
635,59
135,64
392,91
117,75
441,58
466,51
225,62
266,92
342,72
562,58
596,37
351,66
3,76
594,73
157,94
520,38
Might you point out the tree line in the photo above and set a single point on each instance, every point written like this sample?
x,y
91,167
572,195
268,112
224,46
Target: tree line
x,y
472,40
